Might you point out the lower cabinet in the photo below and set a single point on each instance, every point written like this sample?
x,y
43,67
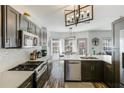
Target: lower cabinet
x,y
92,70
108,74
28,83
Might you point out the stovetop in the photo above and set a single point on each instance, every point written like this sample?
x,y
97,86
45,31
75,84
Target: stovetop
x,y
28,66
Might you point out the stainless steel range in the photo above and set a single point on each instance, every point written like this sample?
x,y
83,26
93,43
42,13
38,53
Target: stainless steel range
x,y
39,67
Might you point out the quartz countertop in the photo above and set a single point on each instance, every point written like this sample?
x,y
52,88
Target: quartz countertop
x,y
76,57
105,58
13,79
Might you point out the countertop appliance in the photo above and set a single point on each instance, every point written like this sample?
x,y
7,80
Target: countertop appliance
x,y
39,67
44,52
33,55
73,70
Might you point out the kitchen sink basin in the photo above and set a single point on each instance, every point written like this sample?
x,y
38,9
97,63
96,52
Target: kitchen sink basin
x,y
88,57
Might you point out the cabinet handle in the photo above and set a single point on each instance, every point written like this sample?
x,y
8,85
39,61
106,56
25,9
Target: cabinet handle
x,y
91,68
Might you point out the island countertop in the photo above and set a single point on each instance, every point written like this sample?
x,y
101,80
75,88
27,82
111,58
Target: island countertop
x,y
105,58
13,79
77,57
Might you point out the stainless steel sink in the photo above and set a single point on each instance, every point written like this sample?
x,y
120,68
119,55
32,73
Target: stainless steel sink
x,y
88,57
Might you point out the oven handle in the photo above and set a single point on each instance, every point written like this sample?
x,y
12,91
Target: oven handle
x,y
41,72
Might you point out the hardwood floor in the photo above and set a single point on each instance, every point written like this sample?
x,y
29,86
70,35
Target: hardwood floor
x,y
57,79
57,76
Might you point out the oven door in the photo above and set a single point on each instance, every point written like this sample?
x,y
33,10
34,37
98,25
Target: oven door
x,y
42,77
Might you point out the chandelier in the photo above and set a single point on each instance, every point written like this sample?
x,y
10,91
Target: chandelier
x,y
78,15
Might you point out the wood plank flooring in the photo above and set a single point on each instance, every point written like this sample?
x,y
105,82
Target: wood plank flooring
x,y
57,79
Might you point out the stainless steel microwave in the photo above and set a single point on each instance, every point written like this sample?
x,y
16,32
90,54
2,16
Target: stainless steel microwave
x,y
26,39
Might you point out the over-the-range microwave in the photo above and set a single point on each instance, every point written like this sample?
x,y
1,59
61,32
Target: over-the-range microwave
x,y
26,39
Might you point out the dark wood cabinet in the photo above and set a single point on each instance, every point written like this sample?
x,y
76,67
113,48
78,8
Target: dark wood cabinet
x,y
32,28
12,21
44,32
38,32
10,26
86,71
108,74
28,83
92,70
24,23
98,70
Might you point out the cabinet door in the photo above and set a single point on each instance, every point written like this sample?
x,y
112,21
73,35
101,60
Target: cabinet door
x,y
86,71
108,74
38,33
10,27
98,71
24,23
44,29
32,28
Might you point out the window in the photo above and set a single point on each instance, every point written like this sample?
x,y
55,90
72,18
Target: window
x,y
107,45
82,46
55,45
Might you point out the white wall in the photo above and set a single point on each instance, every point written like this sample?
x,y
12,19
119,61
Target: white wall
x,y
63,35
99,34
12,57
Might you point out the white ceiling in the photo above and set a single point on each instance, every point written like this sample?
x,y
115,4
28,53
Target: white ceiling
x,y
52,16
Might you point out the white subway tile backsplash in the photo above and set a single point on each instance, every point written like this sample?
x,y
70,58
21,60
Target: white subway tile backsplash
x,y
12,57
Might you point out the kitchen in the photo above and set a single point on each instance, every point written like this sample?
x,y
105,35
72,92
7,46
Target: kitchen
x,y
87,54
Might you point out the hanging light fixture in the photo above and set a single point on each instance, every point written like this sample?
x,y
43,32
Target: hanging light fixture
x,y
78,15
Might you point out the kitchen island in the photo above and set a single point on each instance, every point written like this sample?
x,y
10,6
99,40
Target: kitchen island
x,y
105,58
14,79
87,69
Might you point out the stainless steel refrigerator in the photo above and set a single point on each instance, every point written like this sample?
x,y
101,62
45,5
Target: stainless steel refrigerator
x,y
118,52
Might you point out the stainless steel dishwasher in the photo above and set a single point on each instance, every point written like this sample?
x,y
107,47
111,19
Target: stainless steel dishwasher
x,y
73,70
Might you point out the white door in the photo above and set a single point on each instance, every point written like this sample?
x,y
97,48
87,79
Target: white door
x,y
55,49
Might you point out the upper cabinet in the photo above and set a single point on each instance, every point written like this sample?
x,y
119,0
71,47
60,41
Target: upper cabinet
x,y
24,23
12,21
32,28
44,35
10,26
38,32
